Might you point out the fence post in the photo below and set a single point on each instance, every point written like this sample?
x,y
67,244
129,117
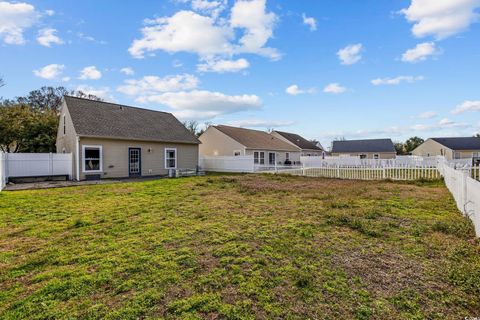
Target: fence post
x,y
50,167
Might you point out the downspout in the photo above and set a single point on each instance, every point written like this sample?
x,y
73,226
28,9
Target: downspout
x,y
77,158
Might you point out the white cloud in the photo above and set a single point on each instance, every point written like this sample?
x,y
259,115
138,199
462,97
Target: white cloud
x,y
427,115
50,71
213,8
222,66
103,92
257,23
295,90
128,71
260,123
184,31
207,36
66,79
396,80
420,53
46,37
49,13
85,37
334,88
150,85
350,54
447,123
310,22
14,19
201,104
469,105
90,73
441,18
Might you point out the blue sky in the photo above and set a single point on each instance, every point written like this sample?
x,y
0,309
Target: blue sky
x,y
324,69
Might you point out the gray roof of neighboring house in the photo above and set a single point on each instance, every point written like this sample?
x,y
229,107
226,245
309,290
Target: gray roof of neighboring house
x,y
299,141
109,120
368,145
255,139
461,143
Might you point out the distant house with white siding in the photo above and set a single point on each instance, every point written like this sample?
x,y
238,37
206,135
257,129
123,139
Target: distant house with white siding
x,y
265,148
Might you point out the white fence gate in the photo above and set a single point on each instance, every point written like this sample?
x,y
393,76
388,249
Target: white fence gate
x,y
20,165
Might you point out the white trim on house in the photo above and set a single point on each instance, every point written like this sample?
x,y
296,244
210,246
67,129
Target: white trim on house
x,y
176,157
77,157
100,147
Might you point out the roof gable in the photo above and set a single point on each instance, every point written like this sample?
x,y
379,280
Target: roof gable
x,y
459,143
299,141
368,145
255,139
109,120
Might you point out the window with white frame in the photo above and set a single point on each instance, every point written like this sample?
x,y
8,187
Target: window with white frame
x,y
259,157
170,158
92,158
287,156
363,156
376,156
457,155
64,125
237,153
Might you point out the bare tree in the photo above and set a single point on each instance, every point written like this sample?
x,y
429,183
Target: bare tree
x,y
2,82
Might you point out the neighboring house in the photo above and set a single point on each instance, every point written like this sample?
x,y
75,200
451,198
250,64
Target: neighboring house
x,y
450,148
365,149
306,147
109,140
231,141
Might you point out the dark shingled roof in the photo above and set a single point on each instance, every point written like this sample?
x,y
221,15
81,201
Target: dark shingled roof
x,y
299,141
463,143
370,145
255,139
102,119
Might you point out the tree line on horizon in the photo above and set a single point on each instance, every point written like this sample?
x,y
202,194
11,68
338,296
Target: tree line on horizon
x,y
29,123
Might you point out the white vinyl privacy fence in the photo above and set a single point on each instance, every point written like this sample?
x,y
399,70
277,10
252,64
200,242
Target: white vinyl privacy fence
x,y
465,190
227,164
3,175
21,165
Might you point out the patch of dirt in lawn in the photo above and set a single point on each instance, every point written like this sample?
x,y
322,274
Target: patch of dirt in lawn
x,y
385,273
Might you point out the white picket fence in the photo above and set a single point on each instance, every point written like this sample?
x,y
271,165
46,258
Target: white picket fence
x,y
20,165
367,172
399,161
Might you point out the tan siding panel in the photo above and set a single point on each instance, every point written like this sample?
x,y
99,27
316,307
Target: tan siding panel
x,y
115,156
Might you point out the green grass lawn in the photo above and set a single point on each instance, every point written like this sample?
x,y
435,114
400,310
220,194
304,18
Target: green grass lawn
x,y
238,247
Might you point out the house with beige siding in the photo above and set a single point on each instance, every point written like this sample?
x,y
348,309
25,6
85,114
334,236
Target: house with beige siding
x,y
265,148
450,148
110,140
307,148
364,149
